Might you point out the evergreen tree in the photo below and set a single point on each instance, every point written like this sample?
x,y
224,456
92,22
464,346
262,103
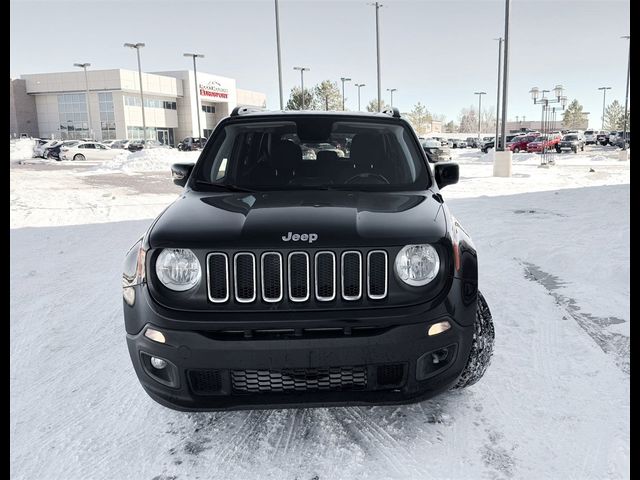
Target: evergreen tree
x,y
573,117
327,96
295,99
372,106
450,127
468,120
614,116
419,117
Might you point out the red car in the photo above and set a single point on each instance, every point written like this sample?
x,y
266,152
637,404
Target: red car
x,y
520,143
539,143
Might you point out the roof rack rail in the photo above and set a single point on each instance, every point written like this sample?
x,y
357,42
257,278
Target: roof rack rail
x,y
244,109
392,112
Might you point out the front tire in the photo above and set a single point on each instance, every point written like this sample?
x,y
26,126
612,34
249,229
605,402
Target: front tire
x,y
516,150
79,157
481,348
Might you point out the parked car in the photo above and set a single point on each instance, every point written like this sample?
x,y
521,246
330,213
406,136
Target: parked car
x,y
590,137
519,143
42,145
619,142
571,141
54,152
108,143
458,143
136,145
602,138
540,144
122,144
192,143
613,137
88,151
237,294
435,151
473,142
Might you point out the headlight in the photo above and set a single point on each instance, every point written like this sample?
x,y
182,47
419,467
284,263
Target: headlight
x,y
417,265
178,269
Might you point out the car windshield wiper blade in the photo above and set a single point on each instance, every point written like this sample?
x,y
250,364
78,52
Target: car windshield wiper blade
x,y
224,186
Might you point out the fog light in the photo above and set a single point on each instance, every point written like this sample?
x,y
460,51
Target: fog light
x,y
129,295
158,363
439,327
154,335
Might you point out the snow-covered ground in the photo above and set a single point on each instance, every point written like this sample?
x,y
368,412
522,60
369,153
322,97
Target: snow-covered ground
x,y
554,267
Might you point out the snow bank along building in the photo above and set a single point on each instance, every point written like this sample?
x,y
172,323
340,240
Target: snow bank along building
x,y
55,104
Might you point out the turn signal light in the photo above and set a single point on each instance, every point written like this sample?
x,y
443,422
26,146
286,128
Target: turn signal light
x,y
439,327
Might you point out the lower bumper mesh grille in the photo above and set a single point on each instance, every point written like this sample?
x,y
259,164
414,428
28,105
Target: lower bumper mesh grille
x,y
299,380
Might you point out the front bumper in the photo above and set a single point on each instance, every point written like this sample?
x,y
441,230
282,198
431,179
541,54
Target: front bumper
x,y
207,356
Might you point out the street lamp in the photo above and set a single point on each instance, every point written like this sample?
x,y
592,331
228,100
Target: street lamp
x,y
560,98
391,90
86,84
378,6
279,57
195,82
626,97
302,70
604,97
479,110
496,143
359,85
343,79
138,46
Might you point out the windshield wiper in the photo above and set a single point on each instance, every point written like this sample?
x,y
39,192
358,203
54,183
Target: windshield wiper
x,y
225,187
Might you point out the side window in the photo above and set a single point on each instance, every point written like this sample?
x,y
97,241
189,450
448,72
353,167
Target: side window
x,y
82,145
90,145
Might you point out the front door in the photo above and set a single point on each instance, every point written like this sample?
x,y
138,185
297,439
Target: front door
x,y
163,137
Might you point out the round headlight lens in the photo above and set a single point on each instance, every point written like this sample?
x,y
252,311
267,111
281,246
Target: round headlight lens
x,y
417,265
178,269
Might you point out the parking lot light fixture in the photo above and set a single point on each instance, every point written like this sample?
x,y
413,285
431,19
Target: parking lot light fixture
x,y
137,47
604,102
359,85
535,93
391,90
626,96
480,111
302,70
86,85
343,79
195,80
558,90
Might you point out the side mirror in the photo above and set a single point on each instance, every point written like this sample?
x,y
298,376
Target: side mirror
x,y
180,173
447,174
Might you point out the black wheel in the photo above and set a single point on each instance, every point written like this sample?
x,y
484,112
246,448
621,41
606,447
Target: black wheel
x,y
481,348
558,150
582,148
79,157
516,150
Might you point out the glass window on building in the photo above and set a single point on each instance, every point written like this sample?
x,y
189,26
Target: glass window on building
x,y
209,108
73,117
107,116
132,101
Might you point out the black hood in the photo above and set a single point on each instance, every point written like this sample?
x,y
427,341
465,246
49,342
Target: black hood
x,y
261,220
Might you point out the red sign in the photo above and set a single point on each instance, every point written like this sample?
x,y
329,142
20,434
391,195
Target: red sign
x,y
213,89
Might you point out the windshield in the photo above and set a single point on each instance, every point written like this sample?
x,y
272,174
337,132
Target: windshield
x,y
313,153
570,137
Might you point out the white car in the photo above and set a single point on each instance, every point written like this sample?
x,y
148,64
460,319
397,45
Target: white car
x,y
88,151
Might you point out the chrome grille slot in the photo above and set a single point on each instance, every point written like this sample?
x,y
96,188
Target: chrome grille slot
x,y
298,276
271,277
218,277
244,277
351,263
325,276
377,273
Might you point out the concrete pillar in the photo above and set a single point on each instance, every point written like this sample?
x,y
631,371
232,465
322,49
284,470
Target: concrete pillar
x,y
502,163
623,155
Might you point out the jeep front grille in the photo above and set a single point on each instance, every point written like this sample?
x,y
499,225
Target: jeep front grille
x,y
297,276
299,380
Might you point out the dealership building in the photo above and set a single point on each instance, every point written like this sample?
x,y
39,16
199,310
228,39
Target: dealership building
x,y
54,105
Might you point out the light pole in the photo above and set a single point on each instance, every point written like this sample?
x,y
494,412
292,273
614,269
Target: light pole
x,y
560,98
195,83
604,97
378,5
343,79
505,76
359,85
302,70
496,142
138,46
626,97
86,84
391,90
279,58
479,111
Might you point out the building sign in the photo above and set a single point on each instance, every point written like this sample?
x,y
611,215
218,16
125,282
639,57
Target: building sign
x,y
213,89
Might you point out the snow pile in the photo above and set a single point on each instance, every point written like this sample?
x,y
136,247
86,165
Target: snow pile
x,y
21,149
150,160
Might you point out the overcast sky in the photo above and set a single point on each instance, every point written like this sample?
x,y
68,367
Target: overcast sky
x,y
435,52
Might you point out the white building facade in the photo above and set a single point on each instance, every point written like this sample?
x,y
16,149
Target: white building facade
x,y
115,108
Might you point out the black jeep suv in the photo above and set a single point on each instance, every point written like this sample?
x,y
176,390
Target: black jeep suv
x,y
278,281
